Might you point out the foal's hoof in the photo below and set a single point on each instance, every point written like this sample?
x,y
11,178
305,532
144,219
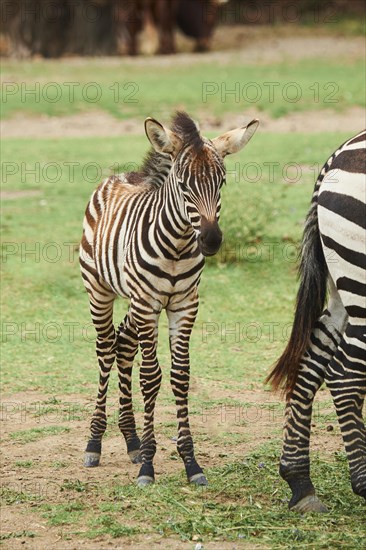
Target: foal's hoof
x,y
199,480
135,456
91,460
311,503
143,481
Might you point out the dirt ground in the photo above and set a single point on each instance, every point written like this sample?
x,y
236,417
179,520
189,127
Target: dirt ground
x,y
258,422
102,124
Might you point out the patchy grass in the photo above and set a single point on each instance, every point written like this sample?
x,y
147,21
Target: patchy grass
x,y
24,463
244,501
126,90
16,535
59,464
63,514
108,524
10,496
34,434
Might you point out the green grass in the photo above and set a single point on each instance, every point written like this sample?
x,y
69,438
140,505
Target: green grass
x,y
17,534
59,464
10,496
63,514
262,223
125,90
108,524
24,464
34,434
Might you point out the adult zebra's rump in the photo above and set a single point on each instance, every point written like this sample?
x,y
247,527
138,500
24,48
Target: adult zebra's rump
x,y
329,344
145,238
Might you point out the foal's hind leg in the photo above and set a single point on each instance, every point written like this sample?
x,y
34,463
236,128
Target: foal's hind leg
x,y
101,309
295,462
127,346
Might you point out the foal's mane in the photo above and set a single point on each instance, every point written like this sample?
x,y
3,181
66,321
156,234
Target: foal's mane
x,y
186,129
156,165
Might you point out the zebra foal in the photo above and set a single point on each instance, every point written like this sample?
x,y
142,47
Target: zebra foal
x,y
145,236
329,344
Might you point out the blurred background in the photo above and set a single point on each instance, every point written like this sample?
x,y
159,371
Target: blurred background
x,y
116,27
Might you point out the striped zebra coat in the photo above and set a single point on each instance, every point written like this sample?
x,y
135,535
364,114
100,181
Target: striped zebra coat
x,y
329,344
145,237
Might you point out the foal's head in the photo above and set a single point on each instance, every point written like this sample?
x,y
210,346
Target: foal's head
x,y
198,171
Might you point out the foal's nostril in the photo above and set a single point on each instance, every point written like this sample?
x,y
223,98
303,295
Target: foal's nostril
x,y
210,238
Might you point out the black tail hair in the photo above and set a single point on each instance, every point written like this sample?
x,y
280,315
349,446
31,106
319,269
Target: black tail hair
x,y
310,301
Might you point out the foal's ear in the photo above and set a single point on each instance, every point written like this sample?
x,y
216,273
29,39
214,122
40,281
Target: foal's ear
x,y
235,140
162,139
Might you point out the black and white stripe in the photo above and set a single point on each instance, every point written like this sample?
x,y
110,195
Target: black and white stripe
x,y
145,237
329,345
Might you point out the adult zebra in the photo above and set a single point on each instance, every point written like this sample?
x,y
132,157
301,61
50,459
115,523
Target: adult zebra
x,y
145,237
329,345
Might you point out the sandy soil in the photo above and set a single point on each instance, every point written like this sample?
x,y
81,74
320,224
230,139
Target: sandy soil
x,y
102,124
259,421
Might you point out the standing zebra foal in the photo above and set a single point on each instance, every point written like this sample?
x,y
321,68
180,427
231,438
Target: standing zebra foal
x,y
145,237
329,344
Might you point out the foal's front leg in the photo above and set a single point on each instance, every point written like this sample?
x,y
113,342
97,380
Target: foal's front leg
x,y
181,321
146,322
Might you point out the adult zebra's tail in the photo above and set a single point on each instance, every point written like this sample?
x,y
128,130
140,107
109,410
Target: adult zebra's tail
x,y
309,302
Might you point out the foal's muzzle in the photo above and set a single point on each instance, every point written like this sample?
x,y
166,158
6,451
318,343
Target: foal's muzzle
x,y
210,237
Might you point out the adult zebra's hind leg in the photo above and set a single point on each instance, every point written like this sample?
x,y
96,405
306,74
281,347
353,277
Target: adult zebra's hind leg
x,y
295,462
181,321
346,379
127,346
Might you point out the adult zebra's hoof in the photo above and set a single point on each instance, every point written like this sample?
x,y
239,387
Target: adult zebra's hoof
x,y
143,481
199,480
135,456
91,460
311,503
